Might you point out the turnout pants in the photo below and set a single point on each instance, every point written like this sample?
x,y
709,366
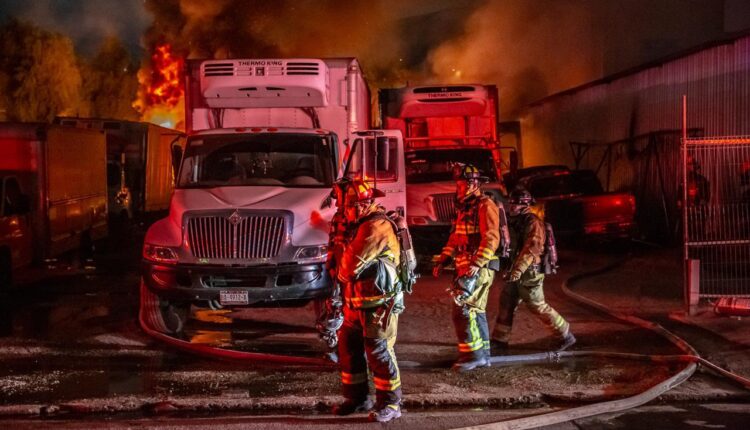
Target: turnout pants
x,y
528,289
470,320
367,337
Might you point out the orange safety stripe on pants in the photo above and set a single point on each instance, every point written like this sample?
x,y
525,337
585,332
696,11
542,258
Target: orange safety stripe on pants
x,y
353,378
386,384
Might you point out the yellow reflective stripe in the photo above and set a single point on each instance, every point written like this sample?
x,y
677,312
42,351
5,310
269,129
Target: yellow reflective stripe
x,y
487,253
353,378
464,229
386,384
368,299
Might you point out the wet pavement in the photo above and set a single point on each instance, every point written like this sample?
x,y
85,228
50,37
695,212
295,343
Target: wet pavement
x,y
71,344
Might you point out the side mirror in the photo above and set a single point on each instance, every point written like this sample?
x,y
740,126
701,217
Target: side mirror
x,y
176,159
384,150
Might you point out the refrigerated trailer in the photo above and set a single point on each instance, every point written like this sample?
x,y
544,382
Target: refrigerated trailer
x,y
247,224
53,195
442,124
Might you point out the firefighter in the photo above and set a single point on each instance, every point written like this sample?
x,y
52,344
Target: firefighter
x,y
368,273
330,314
472,244
525,278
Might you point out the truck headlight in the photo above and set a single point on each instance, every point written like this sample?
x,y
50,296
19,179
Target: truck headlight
x,y
311,253
159,254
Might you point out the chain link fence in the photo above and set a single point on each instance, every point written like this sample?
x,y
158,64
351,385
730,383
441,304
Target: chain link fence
x,y
715,193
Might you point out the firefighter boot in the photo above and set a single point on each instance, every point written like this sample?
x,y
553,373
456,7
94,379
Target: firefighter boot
x,y
349,407
567,341
385,414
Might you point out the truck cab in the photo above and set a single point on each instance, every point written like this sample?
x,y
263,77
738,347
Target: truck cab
x,y
442,125
247,224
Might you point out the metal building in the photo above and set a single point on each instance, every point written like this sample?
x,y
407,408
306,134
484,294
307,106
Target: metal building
x,y
629,128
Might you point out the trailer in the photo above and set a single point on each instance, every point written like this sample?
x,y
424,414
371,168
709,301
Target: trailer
x,y
441,125
141,164
54,192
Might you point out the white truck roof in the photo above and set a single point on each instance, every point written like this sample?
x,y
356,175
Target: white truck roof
x,y
246,130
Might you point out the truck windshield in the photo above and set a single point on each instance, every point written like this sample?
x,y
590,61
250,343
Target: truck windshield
x,y
435,165
263,159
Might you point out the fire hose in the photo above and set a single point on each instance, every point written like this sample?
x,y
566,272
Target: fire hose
x,y
690,357
150,316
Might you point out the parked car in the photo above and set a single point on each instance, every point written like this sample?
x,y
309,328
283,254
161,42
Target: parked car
x,y
511,179
575,203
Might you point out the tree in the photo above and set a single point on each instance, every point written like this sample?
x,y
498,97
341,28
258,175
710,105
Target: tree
x,y
110,82
40,75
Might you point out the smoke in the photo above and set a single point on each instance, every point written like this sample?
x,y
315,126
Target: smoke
x,y
87,23
529,49
283,28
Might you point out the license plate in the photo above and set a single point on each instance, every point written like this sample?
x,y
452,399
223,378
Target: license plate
x,y
233,297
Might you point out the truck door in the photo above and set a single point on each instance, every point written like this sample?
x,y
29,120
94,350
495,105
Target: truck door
x,y
378,157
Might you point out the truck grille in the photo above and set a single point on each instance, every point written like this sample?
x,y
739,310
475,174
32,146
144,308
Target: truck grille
x,y
445,207
235,236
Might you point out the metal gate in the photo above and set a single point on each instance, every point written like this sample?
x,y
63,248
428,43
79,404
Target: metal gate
x,y
715,195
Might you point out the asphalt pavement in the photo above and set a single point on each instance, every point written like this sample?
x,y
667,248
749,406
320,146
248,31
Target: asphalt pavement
x,y
72,350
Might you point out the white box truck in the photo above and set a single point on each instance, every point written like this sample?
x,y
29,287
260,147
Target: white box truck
x,y
266,139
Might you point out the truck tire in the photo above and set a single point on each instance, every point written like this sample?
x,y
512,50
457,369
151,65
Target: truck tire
x,y
162,315
6,270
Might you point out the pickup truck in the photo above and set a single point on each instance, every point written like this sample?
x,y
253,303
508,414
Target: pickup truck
x,y
575,203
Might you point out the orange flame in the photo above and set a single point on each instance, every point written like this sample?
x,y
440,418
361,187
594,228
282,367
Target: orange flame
x,y
161,97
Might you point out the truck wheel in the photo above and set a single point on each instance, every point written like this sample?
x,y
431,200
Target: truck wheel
x,y
6,270
162,315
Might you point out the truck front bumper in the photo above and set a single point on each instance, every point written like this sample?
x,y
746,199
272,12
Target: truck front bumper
x,y
285,284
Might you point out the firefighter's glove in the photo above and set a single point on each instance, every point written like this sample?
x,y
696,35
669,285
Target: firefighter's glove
x,y
473,271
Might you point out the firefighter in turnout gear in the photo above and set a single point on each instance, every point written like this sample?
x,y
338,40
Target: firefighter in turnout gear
x,y
525,278
368,272
330,312
472,245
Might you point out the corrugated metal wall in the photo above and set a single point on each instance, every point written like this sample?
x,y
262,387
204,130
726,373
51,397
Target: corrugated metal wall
x,y
637,118
716,81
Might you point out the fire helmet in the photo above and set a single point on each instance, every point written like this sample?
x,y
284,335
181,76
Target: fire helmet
x,y
521,196
359,191
468,172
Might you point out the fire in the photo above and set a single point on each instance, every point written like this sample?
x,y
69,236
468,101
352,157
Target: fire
x,y
161,97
